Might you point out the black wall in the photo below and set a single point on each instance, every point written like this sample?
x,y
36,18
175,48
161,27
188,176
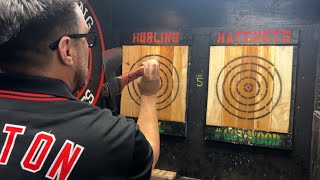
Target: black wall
x,y
192,156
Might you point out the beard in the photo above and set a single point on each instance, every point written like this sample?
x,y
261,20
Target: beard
x,y
81,73
80,79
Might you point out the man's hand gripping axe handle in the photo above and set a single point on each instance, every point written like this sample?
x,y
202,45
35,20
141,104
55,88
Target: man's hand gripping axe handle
x,y
113,86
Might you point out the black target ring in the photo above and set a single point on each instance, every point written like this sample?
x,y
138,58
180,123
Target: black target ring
x,y
263,102
254,79
161,82
252,104
168,93
229,72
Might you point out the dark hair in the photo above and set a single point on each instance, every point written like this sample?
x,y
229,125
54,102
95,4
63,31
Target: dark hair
x,y
30,26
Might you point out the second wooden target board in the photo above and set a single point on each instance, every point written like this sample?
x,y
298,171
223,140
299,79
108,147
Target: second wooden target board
x,y
171,98
250,87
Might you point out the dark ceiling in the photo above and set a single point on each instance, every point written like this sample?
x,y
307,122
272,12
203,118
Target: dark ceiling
x,y
213,13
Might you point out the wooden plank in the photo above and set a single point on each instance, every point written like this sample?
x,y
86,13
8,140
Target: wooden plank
x,y
163,174
247,86
171,101
167,52
130,108
228,118
180,62
281,114
214,109
266,82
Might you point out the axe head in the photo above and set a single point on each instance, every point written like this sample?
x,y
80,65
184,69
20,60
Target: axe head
x,y
112,60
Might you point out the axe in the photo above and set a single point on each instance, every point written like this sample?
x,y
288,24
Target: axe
x,y
113,86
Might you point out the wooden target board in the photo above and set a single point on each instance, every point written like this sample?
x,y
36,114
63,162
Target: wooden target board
x,y
171,98
250,87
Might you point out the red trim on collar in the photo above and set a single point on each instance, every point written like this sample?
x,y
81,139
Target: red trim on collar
x,y
25,94
32,99
29,96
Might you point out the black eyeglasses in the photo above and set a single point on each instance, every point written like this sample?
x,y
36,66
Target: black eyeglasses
x,y
90,37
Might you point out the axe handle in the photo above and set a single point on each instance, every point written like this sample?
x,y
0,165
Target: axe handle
x,y
130,76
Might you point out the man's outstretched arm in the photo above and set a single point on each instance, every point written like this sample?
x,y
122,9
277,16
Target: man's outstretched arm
x,y
149,85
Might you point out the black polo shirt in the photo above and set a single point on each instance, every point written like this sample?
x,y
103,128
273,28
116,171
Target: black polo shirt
x,y
49,134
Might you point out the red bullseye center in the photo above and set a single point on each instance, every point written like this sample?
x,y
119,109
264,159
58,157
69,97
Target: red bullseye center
x,y
248,87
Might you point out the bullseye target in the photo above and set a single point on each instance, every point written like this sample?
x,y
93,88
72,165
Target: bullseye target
x,y
169,88
171,97
247,88
250,87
